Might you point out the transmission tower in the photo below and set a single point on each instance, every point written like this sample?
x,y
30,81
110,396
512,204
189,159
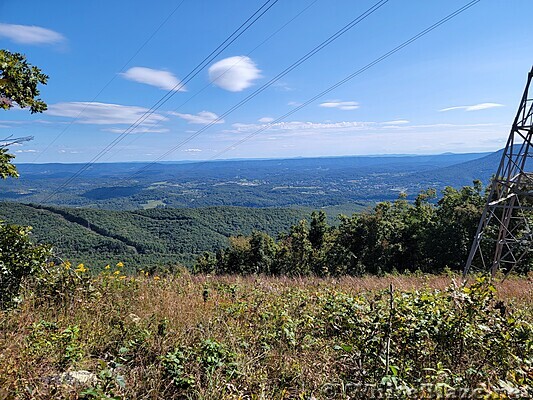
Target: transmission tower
x,y
509,201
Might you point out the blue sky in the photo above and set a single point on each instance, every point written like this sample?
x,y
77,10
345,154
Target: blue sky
x,y
454,90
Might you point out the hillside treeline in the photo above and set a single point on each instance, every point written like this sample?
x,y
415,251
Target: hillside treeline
x,y
143,239
425,235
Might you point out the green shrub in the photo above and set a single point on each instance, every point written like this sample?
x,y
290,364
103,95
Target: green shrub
x,y
19,259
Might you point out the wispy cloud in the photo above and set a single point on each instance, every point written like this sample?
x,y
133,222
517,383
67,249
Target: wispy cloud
x,y
69,151
475,107
341,105
26,151
103,113
29,34
202,118
305,126
265,120
234,73
396,122
282,86
154,77
139,129
192,150
363,137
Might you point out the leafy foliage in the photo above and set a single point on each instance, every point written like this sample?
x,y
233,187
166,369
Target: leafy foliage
x,y
19,82
7,169
398,236
19,258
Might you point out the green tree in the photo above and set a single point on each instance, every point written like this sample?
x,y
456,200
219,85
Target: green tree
x,y
19,82
296,251
457,215
318,229
19,256
7,169
262,252
237,256
205,264
348,245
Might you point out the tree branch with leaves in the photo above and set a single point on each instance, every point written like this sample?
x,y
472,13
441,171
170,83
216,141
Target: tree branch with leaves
x,y
19,256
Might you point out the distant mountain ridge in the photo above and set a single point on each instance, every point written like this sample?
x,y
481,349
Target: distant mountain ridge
x,y
464,173
310,182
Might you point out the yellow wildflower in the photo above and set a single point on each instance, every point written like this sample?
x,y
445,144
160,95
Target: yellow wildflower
x,y
156,278
120,264
122,276
81,268
107,266
67,265
116,272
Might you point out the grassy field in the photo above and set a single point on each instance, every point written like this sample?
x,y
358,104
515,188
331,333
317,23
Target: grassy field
x,y
231,337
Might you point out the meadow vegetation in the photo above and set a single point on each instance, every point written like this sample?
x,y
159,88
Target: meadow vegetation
x,y
258,337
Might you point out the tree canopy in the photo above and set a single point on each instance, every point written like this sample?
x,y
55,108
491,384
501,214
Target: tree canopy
x,y
399,236
19,82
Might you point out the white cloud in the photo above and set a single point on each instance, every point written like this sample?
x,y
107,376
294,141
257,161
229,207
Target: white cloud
x,y
341,105
282,86
265,120
234,73
192,150
139,129
103,113
396,122
304,126
343,128
475,107
294,104
154,77
202,118
363,137
26,151
26,34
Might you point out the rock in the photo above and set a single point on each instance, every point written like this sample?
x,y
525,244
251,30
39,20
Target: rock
x,y
75,378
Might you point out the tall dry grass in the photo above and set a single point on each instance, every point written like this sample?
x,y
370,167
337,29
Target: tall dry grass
x,y
273,334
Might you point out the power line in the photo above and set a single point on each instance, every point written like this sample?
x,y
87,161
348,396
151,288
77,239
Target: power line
x,y
225,44
67,127
350,77
225,72
338,84
290,68
314,98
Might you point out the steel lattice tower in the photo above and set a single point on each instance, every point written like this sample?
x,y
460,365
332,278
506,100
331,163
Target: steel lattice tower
x,y
510,199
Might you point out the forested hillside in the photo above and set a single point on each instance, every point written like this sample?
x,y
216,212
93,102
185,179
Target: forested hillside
x,y
428,234
146,237
398,236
